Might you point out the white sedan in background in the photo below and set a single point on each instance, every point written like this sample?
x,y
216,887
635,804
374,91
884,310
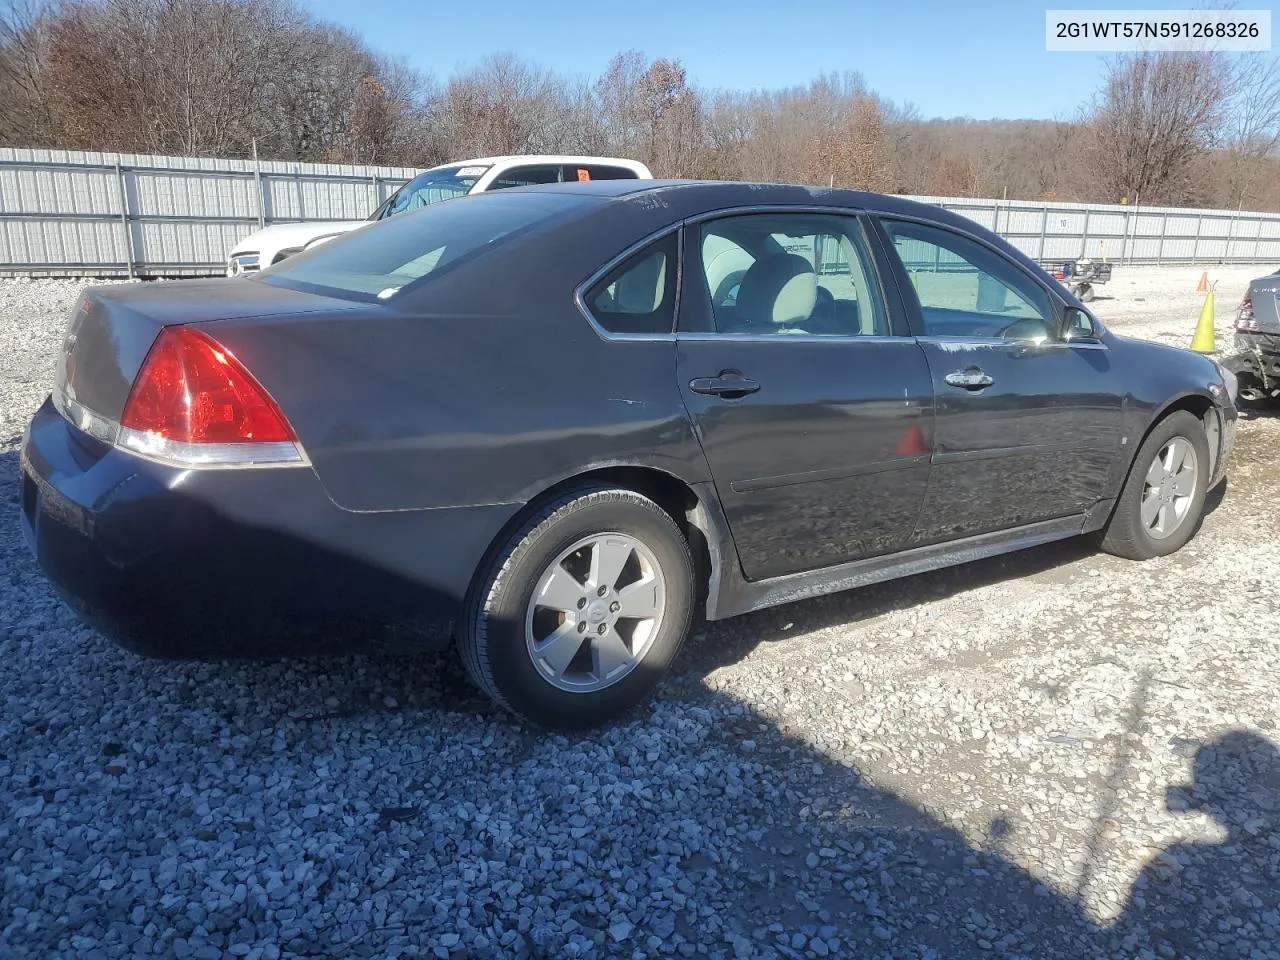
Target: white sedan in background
x,y
282,240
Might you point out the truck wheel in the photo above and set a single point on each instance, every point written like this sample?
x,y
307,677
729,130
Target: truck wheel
x,y
1163,497
582,610
1085,292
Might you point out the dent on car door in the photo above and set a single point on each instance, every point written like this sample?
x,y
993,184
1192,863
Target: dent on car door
x,y
1028,424
812,405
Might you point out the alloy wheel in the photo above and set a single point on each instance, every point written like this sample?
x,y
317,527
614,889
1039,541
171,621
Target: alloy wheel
x,y
1170,488
595,612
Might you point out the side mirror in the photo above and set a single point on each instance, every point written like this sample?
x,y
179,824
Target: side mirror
x,y
1080,327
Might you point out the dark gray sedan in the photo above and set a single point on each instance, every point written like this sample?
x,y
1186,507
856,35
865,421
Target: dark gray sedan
x,y
556,424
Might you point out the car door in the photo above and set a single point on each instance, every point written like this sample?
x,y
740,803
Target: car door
x,y
812,404
1028,424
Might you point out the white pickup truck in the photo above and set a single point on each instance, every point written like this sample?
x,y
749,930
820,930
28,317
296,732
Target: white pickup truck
x,y
281,240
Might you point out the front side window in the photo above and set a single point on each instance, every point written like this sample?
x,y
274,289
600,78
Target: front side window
x,y
525,177
791,275
430,187
966,289
375,261
638,295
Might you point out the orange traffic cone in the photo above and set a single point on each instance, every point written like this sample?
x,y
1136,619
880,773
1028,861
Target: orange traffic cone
x,y
912,443
1203,285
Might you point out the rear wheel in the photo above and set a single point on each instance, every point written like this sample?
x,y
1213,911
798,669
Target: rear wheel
x,y
1163,498
1085,292
582,610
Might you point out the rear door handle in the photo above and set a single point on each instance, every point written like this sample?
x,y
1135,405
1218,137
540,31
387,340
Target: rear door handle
x,y
728,387
971,378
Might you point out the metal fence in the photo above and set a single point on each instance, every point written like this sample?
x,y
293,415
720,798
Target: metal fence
x,y
124,215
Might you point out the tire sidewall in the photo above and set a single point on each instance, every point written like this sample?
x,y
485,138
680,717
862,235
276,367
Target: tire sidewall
x,y
504,605
1178,424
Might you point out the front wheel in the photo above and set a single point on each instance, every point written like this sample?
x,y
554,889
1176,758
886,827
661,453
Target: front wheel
x,y
1163,498
582,610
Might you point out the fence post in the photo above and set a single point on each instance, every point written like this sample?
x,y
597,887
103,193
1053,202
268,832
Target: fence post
x,y
1231,233
1164,228
1084,237
1044,226
124,219
1195,247
257,182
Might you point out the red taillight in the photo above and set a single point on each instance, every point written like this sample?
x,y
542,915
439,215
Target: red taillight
x,y
192,390
1244,316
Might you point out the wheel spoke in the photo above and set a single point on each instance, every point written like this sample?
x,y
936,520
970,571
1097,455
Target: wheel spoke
x,y
640,600
1184,484
1150,508
560,647
608,653
1166,518
1177,454
608,557
1157,472
561,591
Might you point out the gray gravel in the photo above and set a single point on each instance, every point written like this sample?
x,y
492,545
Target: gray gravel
x,y
975,762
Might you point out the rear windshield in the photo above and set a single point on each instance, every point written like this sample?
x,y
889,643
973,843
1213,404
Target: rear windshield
x,y
431,187
377,261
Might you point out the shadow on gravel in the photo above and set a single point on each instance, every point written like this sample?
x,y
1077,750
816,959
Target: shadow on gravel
x,y
699,827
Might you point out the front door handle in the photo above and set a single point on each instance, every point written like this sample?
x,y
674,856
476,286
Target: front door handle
x,y
971,378
731,388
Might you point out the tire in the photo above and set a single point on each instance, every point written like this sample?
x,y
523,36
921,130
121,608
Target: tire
x,y
504,627
1085,293
1127,533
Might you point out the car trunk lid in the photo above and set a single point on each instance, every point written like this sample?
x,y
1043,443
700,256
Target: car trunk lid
x,y
112,328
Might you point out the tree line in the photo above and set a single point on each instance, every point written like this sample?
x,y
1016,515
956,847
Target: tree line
x,y
226,78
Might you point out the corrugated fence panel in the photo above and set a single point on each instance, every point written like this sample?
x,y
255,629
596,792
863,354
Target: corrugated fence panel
x,y
108,214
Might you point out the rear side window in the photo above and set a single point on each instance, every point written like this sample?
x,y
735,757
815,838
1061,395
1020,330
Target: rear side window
x,y
525,177
375,261
638,295
802,274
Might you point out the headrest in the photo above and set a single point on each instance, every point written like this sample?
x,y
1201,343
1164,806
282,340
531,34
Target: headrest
x,y
780,288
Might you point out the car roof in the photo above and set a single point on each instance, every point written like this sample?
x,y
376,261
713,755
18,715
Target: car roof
x,y
533,158
733,193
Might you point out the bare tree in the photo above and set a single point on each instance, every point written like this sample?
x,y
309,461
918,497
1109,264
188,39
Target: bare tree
x,y
504,106
24,55
1156,114
1252,128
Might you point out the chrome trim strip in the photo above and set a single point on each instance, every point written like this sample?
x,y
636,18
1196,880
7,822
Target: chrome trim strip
x,y
703,336
944,340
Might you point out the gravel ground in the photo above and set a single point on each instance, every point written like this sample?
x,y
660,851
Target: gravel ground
x,y
1053,754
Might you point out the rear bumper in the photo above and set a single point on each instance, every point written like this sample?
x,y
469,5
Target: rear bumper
x,y
172,562
1255,355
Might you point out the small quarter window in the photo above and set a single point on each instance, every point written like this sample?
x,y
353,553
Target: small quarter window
x,y
638,295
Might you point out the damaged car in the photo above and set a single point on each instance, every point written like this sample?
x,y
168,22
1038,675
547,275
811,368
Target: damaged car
x,y
1256,360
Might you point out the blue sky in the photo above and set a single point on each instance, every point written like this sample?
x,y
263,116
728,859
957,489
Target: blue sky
x,y
980,60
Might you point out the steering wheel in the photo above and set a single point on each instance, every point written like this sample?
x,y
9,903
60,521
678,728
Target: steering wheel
x,y
1025,328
